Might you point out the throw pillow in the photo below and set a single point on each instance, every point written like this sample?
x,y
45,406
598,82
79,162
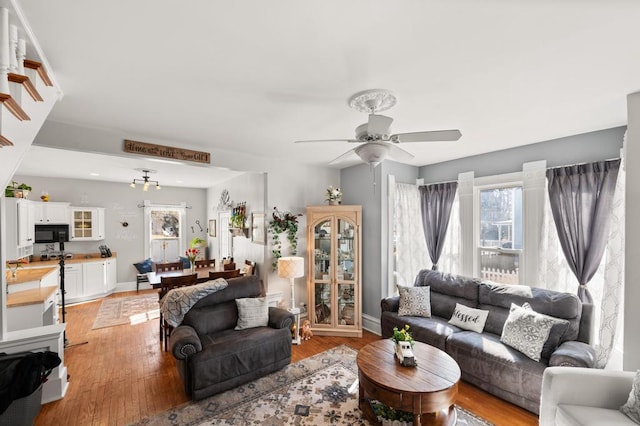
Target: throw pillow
x,y
415,301
144,267
469,318
526,330
632,407
252,312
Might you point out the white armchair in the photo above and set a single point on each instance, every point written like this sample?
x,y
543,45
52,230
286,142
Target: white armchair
x,y
584,396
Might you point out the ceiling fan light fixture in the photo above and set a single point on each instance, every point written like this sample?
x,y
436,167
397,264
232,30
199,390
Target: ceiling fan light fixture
x,y
373,153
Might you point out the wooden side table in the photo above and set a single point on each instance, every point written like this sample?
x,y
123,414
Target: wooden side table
x,y
428,391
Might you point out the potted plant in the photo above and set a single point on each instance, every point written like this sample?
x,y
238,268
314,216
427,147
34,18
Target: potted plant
x,y
334,195
17,190
283,222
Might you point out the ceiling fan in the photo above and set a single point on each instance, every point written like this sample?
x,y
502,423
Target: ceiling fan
x,y
376,143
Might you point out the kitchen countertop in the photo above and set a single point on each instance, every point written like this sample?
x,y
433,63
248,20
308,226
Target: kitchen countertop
x,y
77,258
25,275
30,297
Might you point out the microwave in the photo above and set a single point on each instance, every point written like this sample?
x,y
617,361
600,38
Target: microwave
x,y
52,233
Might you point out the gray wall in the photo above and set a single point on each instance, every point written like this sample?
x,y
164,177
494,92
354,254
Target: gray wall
x,y
121,203
584,148
357,186
251,189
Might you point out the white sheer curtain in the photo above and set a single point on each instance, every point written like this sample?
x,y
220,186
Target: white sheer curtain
x,y
411,250
555,274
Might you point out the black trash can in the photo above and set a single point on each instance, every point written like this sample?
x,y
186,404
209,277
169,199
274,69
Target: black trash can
x,y
21,379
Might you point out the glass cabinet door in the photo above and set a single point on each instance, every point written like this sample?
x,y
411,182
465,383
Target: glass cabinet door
x,y
322,272
345,272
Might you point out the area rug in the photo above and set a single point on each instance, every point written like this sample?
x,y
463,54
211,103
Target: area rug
x,y
127,310
315,391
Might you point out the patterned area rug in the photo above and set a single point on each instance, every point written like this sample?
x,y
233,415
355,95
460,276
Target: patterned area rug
x,y
315,391
127,310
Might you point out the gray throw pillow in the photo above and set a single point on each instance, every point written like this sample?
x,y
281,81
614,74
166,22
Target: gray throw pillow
x,y
632,407
252,312
415,301
527,330
469,318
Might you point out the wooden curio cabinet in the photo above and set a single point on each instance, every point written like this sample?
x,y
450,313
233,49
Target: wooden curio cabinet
x,y
334,270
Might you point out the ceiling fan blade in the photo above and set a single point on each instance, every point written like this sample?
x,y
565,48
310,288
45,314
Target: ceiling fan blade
x,y
399,154
327,140
344,156
432,136
379,124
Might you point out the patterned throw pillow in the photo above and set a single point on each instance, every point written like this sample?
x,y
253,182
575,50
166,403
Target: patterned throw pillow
x,y
526,330
632,407
252,312
415,301
469,318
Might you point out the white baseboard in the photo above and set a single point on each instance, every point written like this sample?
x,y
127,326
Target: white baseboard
x,y
131,286
371,324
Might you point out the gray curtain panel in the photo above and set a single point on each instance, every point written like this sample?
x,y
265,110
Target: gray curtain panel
x,y
435,202
581,198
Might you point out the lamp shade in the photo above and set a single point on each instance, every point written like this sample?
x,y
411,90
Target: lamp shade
x,y
291,267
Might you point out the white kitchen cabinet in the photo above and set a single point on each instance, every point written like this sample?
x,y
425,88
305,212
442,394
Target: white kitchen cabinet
x,y
94,278
87,224
90,280
112,271
32,308
73,282
20,232
50,213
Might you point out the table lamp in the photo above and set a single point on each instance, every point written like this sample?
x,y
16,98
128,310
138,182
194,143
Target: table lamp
x,y
291,267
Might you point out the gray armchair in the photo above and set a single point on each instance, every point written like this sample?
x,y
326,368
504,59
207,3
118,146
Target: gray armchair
x,y
584,396
213,357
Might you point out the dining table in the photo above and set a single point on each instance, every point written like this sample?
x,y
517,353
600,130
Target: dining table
x,y
155,278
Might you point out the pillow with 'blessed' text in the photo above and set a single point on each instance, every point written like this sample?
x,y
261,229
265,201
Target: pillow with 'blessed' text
x,y
469,318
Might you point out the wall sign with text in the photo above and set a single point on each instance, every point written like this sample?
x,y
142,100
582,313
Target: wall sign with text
x,y
168,152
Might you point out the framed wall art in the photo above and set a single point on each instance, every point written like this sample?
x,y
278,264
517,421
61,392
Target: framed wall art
x,y
258,229
212,227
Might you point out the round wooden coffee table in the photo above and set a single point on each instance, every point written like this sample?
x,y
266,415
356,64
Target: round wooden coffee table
x,y
428,391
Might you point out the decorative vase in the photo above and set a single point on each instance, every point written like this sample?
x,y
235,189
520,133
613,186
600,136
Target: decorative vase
x,y
193,267
334,202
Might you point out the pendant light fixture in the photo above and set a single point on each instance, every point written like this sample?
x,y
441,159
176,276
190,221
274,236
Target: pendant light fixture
x,y
145,181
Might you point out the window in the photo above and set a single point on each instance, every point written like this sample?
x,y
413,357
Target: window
x,y
499,224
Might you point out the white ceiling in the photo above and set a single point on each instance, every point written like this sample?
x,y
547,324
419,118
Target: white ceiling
x,y
255,75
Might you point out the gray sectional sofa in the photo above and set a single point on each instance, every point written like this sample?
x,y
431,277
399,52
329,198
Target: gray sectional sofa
x,y
483,359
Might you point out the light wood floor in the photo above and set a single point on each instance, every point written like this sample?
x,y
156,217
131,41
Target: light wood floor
x,y
122,374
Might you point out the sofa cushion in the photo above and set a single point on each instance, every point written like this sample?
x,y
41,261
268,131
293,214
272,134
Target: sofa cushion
x,y
433,331
497,298
447,290
495,367
580,415
252,312
414,301
218,311
230,354
527,330
469,318
632,407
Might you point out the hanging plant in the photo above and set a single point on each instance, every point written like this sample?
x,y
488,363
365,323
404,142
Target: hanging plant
x,y
283,222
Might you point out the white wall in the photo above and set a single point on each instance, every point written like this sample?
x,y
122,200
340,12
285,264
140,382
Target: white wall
x,y
631,360
121,204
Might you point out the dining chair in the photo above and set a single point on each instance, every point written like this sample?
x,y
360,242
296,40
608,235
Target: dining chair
x,y
250,268
224,274
172,266
206,263
167,284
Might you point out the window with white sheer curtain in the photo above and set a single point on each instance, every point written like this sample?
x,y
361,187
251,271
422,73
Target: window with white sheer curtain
x,y
606,286
410,253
